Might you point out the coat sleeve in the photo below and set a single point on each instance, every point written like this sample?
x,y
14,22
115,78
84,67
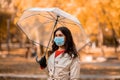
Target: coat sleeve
x,y
75,70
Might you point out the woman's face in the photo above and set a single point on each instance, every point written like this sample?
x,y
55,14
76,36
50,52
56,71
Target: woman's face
x,y
59,38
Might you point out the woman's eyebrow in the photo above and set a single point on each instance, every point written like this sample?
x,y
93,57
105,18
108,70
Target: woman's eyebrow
x,y
59,34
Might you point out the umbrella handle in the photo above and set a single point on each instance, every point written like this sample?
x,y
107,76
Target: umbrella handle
x,y
37,59
42,61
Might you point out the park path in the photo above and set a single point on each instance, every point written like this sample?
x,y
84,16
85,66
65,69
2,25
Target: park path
x,y
115,64
45,76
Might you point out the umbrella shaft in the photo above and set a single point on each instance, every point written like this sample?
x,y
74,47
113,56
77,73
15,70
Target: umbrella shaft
x,y
51,34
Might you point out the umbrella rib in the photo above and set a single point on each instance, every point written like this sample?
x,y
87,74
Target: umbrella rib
x,y
28,16
62,24
41,23
62,18
47,22
47,17
38,14
67,22
51,15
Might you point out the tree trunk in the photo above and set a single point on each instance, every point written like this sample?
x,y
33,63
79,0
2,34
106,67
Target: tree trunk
x,y
100,39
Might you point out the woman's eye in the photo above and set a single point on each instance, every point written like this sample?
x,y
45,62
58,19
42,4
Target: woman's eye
x,y
58,35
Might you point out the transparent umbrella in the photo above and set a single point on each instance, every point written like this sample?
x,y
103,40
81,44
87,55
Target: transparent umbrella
x,y
39,24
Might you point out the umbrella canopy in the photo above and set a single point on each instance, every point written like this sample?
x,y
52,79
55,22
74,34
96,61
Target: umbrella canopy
x,y
39,23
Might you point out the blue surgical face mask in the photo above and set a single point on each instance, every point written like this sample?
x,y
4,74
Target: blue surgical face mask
x,y
59,41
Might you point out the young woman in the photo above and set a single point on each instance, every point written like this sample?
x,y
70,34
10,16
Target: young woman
x,y
63,62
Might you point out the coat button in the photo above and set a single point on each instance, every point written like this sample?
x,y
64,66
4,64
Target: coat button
x,y
56,62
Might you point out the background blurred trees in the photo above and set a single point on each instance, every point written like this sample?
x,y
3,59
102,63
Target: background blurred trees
x,y
94,15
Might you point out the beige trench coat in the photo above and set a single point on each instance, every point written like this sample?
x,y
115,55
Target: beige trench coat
x,y
63,68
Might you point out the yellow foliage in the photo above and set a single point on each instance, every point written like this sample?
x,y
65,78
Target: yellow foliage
x,y
91,13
